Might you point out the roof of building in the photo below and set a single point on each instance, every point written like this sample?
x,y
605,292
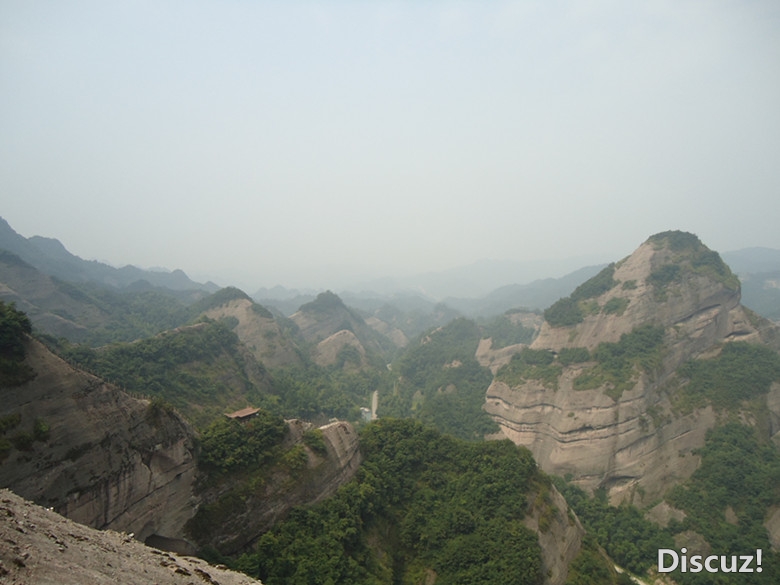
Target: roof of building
x,y
244,412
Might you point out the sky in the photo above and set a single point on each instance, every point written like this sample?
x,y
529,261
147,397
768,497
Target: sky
x,y
318,143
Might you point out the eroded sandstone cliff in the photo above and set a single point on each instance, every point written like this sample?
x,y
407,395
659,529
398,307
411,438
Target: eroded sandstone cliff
x,y
629,436
258,331
560,534
94,453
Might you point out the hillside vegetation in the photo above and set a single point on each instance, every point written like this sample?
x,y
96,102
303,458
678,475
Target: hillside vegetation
x,y
438,380
423,505
14,325
201,370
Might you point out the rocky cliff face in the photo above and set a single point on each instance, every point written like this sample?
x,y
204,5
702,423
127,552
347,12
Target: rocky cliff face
x,y
560,535
40,546
241,514
259,332
96,454
341,347
395,335
632,440
72,442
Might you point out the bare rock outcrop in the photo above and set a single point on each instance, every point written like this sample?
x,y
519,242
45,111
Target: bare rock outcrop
x,y
106,459
634,442
327,319
494,359
697,306
40,546
258,331
560,534
333,468
341,346
394,334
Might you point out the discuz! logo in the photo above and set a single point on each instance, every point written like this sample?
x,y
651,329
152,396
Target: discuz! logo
x,y
669,560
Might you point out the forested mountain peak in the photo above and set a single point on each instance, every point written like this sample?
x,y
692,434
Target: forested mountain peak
x,y
339,333
271,340
325,301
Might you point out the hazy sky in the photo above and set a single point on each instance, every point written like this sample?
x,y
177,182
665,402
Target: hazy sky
x,y
304,143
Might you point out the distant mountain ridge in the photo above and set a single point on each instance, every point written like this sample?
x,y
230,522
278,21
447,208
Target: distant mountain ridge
x,y
538,294
753,260
478,278
51,257
482,289
759,271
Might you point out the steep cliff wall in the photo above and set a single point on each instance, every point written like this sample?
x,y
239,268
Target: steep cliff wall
x,y
96,454
239,509
72,442
628,436
560,534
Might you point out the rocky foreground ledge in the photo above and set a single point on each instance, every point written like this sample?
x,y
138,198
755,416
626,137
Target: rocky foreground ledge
x,y
38,546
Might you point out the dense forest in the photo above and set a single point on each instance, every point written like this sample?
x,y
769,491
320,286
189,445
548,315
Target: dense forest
x,y
422,502
439,381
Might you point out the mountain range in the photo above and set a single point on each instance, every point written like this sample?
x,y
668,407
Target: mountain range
x,y
642,383
51,257
481,289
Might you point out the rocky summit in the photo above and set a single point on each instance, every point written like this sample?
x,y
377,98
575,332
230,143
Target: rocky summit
x,y
604,393
40,546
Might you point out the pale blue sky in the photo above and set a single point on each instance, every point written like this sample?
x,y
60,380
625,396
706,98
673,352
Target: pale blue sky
x,y
310,143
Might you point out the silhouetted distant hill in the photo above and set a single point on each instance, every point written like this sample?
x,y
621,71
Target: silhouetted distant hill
x,y
477,279
753,260
538,294
88,312
759,271
52,258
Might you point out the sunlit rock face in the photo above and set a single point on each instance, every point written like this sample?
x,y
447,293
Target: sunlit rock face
x,y
635,441
108,460
258,331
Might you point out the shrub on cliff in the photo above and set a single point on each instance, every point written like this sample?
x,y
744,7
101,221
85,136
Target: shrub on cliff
x,y
563,313
229,445
14,325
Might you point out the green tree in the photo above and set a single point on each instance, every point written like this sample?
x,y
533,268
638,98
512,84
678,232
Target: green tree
x,y
441,505
229,445
14,327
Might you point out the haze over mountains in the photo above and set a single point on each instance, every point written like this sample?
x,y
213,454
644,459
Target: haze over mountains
x,y
626,386
429,315
483,288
